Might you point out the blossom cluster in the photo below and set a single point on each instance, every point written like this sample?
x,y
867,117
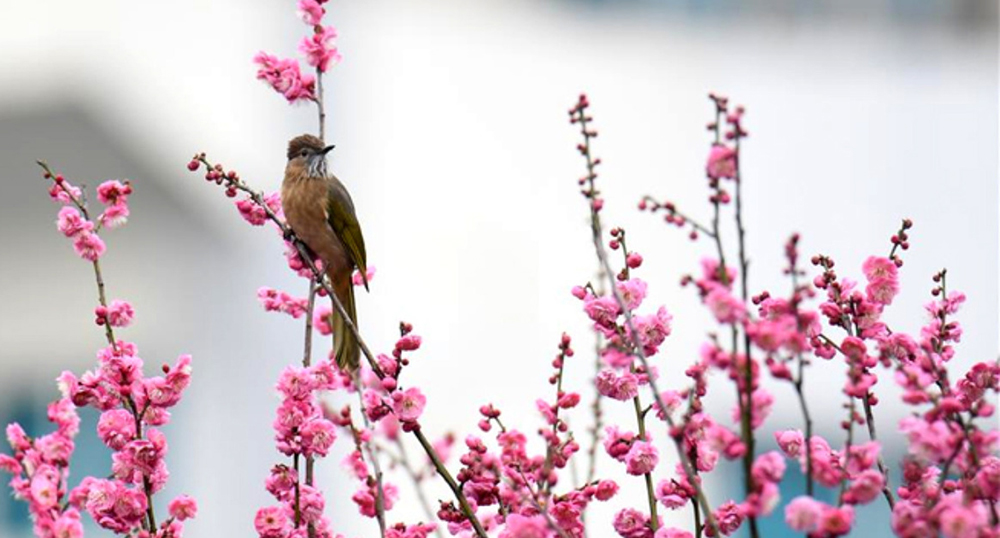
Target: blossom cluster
x,y
132,408
301,430
502,488
521,486
284,75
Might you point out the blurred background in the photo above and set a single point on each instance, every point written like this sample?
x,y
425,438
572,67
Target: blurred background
x,y
450,124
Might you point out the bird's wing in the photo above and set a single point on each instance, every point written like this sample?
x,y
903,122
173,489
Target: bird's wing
x,y
340,214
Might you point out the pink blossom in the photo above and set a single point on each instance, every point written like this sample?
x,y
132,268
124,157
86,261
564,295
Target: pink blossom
x,y
672,494
518,526
71,223
605,490
409,404
728,517
88,245
296,383
725,307
603,310
633,292
631,523
802,514
721,162
285,78
641,458
311,503
876,267
183,507
310,11
281,482
318,435
760,409
45,487
115,215
271,522
671,532
17,438
10,464
617,443
64,192
120,313
835,521
864,487
365,498
320,48
68,525
961,521
322,319
278,301
113,192
116,428
410,342
653,329
619,387
254,213
369,275
882,290
768,467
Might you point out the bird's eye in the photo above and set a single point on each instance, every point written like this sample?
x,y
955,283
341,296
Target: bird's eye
x,y
304,152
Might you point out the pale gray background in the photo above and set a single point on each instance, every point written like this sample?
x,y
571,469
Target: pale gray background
x,y
450,124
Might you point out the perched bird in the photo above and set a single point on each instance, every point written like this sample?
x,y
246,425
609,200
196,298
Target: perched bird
x,y
321,213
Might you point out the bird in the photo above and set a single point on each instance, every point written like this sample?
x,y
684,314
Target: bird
x,y
320,212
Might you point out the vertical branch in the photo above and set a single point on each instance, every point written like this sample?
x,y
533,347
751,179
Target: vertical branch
x,y
379,490
578,115
640,417
749,439
109,334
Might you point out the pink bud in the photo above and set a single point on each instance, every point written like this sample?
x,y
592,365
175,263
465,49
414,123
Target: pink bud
x,y
634,260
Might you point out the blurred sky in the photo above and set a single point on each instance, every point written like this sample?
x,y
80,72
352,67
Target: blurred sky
x,y
450,124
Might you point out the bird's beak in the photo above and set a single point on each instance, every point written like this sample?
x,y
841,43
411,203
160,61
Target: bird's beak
x,y
327,149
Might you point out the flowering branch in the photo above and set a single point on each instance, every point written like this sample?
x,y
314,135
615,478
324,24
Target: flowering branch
x,y
579,115
131,405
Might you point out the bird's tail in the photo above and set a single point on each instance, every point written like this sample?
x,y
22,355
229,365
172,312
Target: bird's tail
x,y
345,344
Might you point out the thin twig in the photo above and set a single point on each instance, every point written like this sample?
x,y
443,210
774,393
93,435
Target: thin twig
x,y
404,461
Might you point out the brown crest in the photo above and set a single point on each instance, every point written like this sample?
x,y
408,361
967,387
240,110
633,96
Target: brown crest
x,y
297,144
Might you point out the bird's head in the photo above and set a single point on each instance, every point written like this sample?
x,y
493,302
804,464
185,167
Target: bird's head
x,y
308,153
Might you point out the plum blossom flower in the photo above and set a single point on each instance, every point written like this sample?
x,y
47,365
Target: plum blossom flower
x,y
88,245
71,223
409,404
285,77
631,523
271,522
320,48
183,507
619,387
369,275
721,162
802,513
518,526
310,11
641,458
